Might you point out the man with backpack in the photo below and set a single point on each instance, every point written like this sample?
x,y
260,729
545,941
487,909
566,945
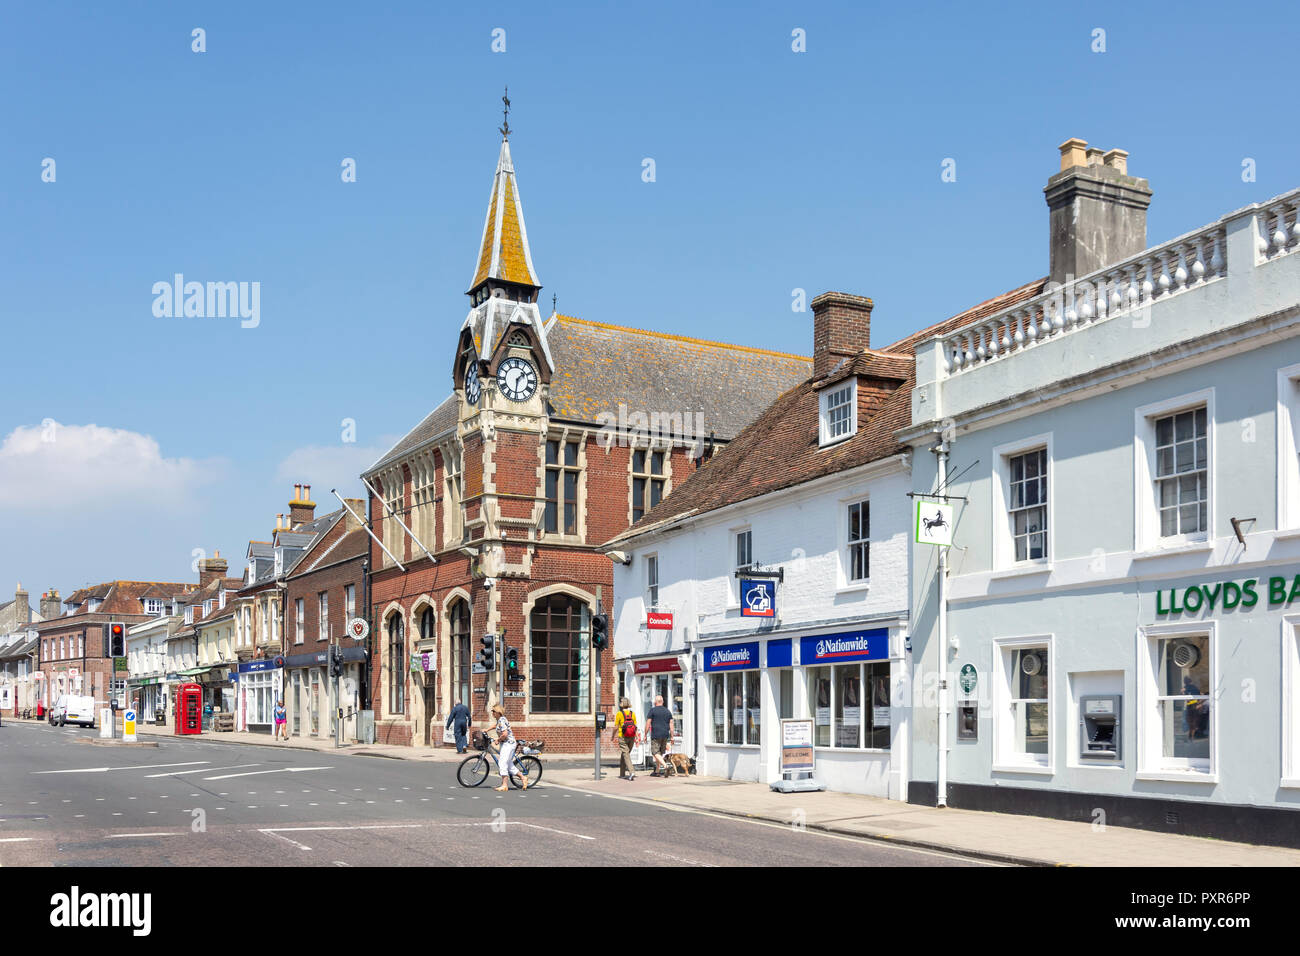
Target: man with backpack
x,y
625,737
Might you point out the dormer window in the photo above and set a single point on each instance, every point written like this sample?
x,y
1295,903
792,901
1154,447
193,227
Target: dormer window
x,y
153,606
222,600
279,563
94,605
189,614
839,412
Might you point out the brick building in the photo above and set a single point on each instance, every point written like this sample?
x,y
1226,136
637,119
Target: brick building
x,y
74,646
324,590
558,434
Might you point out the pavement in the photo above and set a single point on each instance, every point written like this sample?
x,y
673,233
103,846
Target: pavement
x,y
994,837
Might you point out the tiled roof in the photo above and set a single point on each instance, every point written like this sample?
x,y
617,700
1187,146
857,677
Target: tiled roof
x,y
440,421
781,449
504,253
600,367
122,597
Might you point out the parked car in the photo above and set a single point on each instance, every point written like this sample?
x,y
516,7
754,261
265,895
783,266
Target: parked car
x,y
72,708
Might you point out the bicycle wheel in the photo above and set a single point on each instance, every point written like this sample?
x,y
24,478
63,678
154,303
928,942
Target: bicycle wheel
x,y
532,768
472,771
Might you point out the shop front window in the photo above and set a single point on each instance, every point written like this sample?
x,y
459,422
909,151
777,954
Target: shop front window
x,y
718,695
1184,700
850,705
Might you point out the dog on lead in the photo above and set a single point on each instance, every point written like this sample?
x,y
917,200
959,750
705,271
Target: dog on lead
x,y
678,763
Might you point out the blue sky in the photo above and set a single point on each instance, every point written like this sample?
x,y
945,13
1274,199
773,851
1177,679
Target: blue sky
x,y
775,170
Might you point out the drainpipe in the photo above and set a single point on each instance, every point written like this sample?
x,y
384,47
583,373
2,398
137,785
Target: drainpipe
x,y
941,452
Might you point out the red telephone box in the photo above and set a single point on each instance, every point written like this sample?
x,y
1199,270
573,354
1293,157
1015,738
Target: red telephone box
x,y
189,709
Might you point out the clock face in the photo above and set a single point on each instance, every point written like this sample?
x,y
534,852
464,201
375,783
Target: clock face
x,y
472,388
517,379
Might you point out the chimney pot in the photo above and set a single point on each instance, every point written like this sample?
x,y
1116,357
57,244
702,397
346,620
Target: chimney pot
x,y
1073,153
1117,159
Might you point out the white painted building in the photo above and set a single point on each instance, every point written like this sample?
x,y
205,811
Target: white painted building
x,y
1123,598
772,584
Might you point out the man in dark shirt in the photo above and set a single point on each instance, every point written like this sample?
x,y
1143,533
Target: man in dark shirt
x,y
458,721
661,734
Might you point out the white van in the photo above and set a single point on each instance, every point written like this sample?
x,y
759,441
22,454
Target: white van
x,y
75,709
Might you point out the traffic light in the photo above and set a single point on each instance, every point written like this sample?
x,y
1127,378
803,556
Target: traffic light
x,y
336,662
512,664
488,656
600,631
116,639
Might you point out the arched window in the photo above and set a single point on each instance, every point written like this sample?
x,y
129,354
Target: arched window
x,y
460,653
427,625
559,656
396,664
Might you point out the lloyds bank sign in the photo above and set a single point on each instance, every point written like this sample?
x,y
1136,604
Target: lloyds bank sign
x,y
1227,595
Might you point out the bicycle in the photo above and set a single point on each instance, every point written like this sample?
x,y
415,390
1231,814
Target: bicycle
x,y
474,770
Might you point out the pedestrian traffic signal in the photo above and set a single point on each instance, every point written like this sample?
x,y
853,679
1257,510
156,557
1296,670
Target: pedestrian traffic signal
x,y
512,664
488,656
116,639
600,631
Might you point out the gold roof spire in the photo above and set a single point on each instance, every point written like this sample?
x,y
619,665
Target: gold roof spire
x,y
503,253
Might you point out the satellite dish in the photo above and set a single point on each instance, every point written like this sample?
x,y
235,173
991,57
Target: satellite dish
x,y
1186,655
1031,664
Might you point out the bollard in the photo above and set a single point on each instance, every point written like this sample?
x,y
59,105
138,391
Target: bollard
x,y
106,723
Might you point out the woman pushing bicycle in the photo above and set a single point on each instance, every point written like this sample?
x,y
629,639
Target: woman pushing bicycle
x,y
506,741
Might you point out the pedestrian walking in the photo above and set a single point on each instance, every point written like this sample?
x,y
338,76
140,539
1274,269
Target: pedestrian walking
x,y
281,720
625,737
458,721
660,719
506,741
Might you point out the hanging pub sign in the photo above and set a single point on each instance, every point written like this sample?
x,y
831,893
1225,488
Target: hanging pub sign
x,y
933,523
659,620
757,598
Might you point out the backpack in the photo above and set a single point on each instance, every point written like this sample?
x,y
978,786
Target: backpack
x,y
629,723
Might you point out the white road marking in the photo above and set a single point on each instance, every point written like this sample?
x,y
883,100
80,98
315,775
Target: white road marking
x,y
179,773
680,859
146,766
127,836
16,839
254,773
285,839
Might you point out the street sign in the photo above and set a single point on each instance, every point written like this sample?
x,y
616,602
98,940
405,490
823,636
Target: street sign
x,y
358,629
757,598
934,523
128,726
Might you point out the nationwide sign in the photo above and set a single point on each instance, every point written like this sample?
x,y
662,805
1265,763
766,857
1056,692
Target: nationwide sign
x,y
757,598
731,657
659,621
870,645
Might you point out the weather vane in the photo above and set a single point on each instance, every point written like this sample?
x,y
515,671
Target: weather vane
x,y
504,128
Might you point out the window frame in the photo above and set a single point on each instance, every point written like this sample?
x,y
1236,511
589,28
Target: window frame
x,y
1148,725
652,581
1004,548
824,437
322,615
297,620
562,470
1288,449
541,653
1147,537
397,662
743,679
846,552
1006,758
647,478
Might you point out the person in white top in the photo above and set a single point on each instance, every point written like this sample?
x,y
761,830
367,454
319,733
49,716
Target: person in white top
x,y
506,741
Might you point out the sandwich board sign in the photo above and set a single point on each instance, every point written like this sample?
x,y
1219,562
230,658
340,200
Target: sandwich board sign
x,y
934,523
798,758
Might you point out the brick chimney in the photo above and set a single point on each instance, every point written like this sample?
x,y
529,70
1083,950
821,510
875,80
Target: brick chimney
x,y
51,604
1097,211
841,328
301,509
212,569
22,609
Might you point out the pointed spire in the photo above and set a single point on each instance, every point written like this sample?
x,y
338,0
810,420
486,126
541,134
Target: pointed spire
x,y
503,253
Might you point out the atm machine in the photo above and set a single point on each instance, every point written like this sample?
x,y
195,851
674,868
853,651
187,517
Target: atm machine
x,y
1100,730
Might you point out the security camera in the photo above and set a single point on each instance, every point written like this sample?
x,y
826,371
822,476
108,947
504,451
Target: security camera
x,y
619,557
489,583
469,552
